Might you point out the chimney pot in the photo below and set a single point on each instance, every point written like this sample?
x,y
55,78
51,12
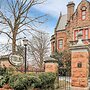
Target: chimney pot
x,y
70,9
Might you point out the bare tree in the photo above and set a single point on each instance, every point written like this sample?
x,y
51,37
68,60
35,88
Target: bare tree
x,y
16,19
39,48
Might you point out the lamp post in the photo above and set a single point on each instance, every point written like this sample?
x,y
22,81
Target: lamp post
x,y
25,41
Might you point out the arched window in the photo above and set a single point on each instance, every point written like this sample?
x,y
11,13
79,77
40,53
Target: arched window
x,y
83,13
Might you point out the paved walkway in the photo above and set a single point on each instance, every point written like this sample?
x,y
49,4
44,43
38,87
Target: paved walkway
x,y
77,88
74,88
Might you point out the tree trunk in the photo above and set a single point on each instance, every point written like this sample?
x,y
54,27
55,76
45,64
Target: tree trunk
x,y
14,44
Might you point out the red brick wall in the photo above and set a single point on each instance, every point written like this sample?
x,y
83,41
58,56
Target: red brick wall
x,y
61,35
52,46
76,22
51,67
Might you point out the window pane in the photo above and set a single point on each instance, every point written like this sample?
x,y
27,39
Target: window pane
x,y
86,34
83,8
76,33
81,31
60,43
83,12
83,15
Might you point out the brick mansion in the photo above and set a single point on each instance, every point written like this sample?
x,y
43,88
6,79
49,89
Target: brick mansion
x,y
70,24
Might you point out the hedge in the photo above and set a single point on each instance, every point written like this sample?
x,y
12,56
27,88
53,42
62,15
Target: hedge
x,y
25,81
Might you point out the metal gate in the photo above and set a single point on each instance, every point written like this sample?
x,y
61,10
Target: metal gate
x,y
65,78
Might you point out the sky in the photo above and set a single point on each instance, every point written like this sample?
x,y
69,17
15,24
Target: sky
x,y
52,8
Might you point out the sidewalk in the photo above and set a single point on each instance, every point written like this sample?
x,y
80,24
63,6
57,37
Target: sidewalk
x,y
78,88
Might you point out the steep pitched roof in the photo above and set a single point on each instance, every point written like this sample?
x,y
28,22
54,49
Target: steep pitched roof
x,y
61,22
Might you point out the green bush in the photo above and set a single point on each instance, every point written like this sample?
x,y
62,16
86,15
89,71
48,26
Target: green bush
x,y
4,80
34,82
18,82
23,81
19,85
2,71
13,79
47,80
4,76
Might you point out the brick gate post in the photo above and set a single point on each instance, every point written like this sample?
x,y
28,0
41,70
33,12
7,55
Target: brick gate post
x,y
79,64
51,65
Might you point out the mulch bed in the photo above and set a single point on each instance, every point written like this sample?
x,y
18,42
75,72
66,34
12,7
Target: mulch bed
x,y
6,87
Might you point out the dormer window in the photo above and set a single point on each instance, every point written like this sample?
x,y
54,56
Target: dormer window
x,y
83,13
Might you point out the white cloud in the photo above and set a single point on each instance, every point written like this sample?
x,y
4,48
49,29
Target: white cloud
x,y
54,7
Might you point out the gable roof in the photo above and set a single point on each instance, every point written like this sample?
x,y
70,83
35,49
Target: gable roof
x,y
61,22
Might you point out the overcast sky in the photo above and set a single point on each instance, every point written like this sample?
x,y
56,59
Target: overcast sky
x,y
53,9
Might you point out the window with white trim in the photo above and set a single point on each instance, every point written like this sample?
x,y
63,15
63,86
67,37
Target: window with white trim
x,y
60,43
83,13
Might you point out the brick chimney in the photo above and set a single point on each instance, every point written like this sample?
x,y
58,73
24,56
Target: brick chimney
x,y
70,9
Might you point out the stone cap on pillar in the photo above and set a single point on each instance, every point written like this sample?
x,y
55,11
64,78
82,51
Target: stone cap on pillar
x,y
49,59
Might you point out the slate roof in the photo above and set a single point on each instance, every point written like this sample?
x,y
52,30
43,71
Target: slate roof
x,y
61,22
